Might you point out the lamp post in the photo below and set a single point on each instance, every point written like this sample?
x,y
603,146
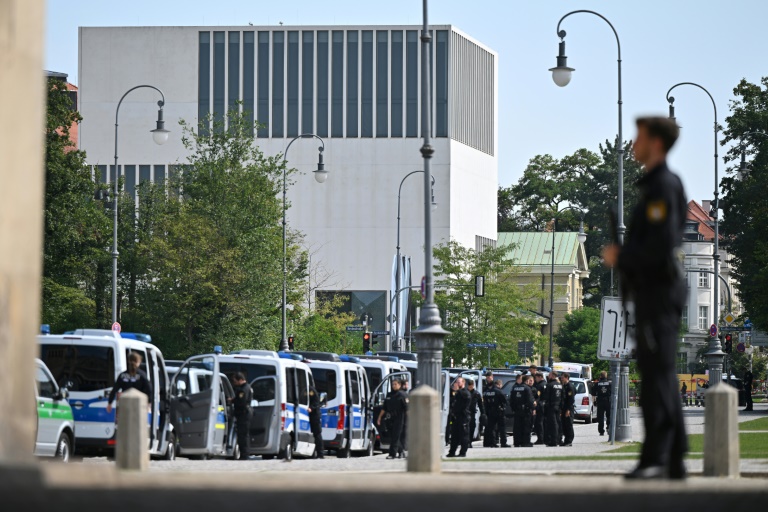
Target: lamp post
x,y
320,176
396,320
582,237
160,136
561,74
715,355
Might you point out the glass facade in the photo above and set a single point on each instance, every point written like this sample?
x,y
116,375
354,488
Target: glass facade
x,y
382,83
352,82
278,81
441,84
366,85
249,61
322,83
204,77
292,122
307,81
233,79
396,128
412,83
337,84
130,180
263,85
159,174
145,173
218,77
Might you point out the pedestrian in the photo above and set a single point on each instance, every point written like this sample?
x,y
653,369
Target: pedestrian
x,y
243,413
553,397
650,268
315,415
684,393
395,409
404,387
133,378
460,418
475,404
449,422
490,437
568,409
748,378
524,404
539,387
602,393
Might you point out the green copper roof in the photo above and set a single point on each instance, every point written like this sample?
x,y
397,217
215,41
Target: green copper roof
x,y
535,248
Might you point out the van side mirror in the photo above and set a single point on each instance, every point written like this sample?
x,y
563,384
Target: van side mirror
x,y
180,388
63,394
323,399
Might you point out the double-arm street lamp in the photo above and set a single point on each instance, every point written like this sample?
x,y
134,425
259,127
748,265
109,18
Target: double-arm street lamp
x,y
395,319
160,136
320,176
582,237
561,74
715,355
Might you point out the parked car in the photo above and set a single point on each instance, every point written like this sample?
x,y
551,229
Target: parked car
x,y
55,423
585,403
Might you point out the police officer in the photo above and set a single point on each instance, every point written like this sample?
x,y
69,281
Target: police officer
x,y
500,420
315,412
460,418
133,378
243,412
553,397
539,387
395,407
602,393
568,409
649,265
524,405
490,438
477,402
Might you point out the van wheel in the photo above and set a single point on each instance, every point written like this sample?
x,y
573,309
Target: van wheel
x,y
286,453
63,448
343,453
170,453
235,452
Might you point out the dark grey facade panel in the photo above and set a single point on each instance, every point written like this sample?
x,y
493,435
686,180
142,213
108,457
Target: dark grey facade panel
x,y
307,81
412,83
233,70
382,83
204,76
441,84
130,180
353,52
366,85
323,70
145,173
337,84
219,70
249,91
278,83
263,85
396,89
292,84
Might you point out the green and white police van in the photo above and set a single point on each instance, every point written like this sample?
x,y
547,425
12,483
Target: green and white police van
x,y
55,423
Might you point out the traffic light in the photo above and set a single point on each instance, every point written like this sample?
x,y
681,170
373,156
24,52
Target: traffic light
x,y
728,344
290,342
375,339
366,342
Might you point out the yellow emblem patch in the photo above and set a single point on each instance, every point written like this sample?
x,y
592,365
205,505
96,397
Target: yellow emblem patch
x,y
656,211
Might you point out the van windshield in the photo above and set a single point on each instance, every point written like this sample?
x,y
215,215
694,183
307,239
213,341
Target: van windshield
x,y
325,381
250,370
80,367
374,377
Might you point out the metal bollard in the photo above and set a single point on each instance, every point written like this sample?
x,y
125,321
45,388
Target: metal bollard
x,y
131,451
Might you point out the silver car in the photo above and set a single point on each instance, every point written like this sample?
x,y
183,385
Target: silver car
x,y
584,402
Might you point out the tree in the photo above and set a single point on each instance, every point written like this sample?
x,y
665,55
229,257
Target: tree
x,y
499,317
745,206
577,338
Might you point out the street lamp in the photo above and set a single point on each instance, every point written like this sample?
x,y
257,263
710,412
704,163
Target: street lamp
x,y
320,176
743,169
395,319
715,355
581,237
160,136
561,74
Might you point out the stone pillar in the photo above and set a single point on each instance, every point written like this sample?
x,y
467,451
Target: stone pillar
x,y
721,432
424,450
131,448
22,104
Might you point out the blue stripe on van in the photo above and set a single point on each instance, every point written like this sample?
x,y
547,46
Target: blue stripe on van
x,y
82,410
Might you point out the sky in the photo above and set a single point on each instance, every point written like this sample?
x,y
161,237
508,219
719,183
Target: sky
x,y
714,43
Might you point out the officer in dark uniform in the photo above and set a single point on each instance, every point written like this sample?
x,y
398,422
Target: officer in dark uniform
x,y
539,387
651,272
460,418
521,398
395,408
477,402
243,413
449,423
490,438
500,425
133,378
602,393
553,397
315,414
568,409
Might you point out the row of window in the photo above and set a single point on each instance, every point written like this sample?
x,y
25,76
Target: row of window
x,y
338,83
132,175
703,320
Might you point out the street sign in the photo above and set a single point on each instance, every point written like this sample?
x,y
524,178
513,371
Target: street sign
x,y
729,318
617,330
424,288
525,349
740,348
713,330
355,328
381,333
748,323
731,328
482,345
759,339
116,327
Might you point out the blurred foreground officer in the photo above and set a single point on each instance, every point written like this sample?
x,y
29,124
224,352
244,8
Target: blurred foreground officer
x,y
315,410
602,393
395,408
748,379
460,418
553,398
243,412
539,387
653,278
477,402
568,410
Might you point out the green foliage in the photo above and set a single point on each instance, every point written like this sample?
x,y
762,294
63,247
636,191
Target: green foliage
x,y
498,317
577,338
738,364
745,204
324,328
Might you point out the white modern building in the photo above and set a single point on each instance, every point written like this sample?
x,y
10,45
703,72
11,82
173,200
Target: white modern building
x,y
357,87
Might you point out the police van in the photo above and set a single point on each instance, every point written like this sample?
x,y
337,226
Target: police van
x,y
55,423
87,362
347,417
575,370
279,425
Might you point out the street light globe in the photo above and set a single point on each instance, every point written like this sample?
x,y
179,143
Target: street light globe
x,y
561,75
160,136
581,237
321,175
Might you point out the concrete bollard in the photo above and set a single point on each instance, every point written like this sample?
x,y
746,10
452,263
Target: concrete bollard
x,y
424,450
721,432
131,451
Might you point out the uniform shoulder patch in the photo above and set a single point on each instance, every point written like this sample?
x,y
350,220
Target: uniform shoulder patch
x,y
311,393
656,211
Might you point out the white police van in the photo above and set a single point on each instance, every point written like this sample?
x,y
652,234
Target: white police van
x,y
55,423
347,416
87,362
280,382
